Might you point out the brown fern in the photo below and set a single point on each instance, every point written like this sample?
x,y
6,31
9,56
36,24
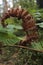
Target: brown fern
x,y
28,23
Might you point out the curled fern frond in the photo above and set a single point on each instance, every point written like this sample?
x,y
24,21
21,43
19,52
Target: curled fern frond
x,y
28,23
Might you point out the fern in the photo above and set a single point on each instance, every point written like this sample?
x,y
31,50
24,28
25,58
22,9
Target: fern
x,y
7,37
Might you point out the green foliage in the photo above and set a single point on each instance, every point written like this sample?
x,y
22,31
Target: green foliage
x,y
7,35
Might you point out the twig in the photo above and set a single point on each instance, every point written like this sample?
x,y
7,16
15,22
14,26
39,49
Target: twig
x,y
24,47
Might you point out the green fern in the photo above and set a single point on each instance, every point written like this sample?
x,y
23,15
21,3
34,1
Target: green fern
x,y
7,37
